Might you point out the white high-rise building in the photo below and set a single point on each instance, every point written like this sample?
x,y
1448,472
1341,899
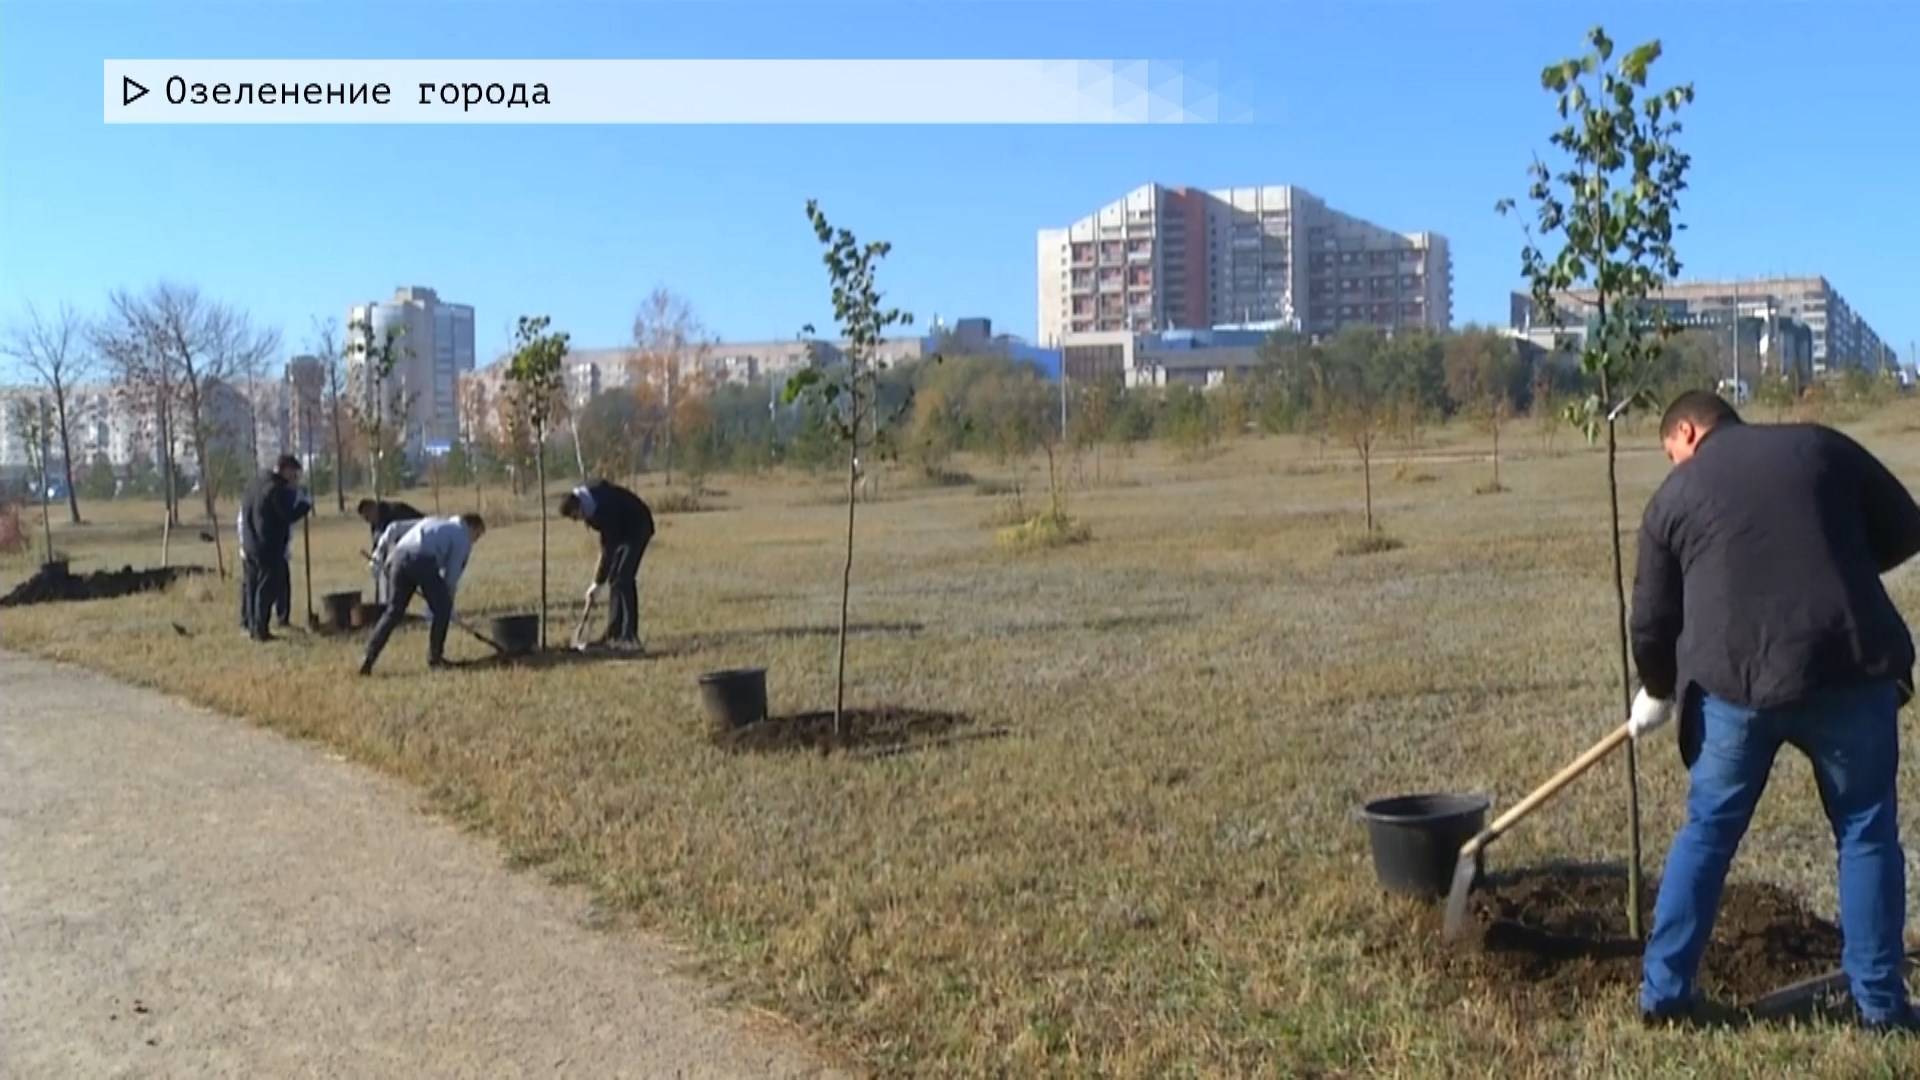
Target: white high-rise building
x,y
435,341
1165,258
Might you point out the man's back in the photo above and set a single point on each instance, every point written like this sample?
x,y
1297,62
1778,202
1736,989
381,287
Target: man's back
x,y
619,514
1764,552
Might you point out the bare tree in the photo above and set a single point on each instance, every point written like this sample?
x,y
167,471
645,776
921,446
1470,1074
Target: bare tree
x,y
668,340
326,349
56,351
379,402
187,351
144,380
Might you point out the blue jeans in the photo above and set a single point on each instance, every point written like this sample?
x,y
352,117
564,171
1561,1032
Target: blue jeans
x,y
1850,735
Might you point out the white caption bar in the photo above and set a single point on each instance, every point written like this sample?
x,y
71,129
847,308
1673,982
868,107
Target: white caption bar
x,y
660,92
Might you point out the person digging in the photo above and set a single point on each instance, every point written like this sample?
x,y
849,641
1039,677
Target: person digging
x,y
427,557
271,504
625,525
1757,600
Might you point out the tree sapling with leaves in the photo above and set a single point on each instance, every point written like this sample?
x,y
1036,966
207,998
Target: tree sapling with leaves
x,y
849,391
1611,203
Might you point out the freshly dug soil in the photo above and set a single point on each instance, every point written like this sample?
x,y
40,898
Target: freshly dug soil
x,y
1549,940
879,730
44,587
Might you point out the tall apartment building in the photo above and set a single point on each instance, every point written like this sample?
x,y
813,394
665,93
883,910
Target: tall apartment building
x,y
435,339
1179,258
309,424
1841,337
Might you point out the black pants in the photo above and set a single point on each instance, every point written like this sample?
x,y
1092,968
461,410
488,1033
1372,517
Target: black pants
x,y
270,578
623,587
421,574
249,581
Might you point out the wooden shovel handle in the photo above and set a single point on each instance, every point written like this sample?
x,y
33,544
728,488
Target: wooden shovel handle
x,y
1549,789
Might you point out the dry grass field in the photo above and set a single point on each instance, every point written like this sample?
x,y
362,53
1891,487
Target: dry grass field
x,y
1157,872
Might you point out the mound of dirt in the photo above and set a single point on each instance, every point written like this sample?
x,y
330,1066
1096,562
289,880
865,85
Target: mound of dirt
x,y
1549,940
888,729
52,583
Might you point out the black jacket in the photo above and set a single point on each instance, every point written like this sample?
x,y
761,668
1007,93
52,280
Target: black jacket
x,y
386,513
272,507
620,517
1759,568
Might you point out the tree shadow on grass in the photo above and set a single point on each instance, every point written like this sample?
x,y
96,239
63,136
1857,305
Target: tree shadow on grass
x,y
689,644
883,731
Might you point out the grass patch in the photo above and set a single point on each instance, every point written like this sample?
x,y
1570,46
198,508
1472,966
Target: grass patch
x,y
1491,487
1366,543
1156,873
1050,529
680,502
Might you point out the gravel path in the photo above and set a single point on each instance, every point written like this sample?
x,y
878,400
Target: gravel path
x,y
182,894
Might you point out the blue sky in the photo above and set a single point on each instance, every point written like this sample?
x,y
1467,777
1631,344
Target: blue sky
x,y
1805,138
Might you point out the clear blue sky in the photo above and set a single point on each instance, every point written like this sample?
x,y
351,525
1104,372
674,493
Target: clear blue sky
x,y
1805,138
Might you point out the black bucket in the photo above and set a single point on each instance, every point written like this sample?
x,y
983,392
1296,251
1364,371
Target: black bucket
x,y
516,635
340,608
734,698
1416,839
365,615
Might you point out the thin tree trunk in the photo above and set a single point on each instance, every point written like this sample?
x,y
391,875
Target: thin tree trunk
x,y
66,453
206,492
46,513
540,471
1626,674
1366,472
339,458
846,587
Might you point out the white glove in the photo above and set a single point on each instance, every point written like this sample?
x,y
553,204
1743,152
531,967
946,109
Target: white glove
x,y
1649,714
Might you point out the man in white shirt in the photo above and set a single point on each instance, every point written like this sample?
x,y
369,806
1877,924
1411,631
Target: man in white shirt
x,y
426,556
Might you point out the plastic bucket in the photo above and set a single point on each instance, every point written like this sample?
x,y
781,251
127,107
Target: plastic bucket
x,y
516,634
735,698
340,608
1416,839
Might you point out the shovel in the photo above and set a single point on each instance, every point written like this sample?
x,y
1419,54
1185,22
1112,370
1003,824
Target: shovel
x,y
480,637
1467,870
578,643
1792,996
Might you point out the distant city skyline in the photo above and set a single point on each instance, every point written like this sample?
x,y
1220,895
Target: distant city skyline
x,y
293,223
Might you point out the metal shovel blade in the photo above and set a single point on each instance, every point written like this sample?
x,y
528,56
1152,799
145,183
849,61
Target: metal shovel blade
x,y
1465,872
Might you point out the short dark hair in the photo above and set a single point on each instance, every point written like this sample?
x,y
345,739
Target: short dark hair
x,y
473,521
569,505
367,506
1699,407
287,461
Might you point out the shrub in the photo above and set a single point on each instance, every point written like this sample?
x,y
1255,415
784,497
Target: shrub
x,y
1045,530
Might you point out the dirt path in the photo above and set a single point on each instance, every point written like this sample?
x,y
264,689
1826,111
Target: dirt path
x,y
184,895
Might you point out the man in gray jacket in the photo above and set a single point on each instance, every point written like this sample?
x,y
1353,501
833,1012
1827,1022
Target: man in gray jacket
x,y
428,557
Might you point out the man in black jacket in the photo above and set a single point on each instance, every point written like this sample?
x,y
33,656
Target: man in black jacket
x,y
1758,602
625,526
378,514
273,503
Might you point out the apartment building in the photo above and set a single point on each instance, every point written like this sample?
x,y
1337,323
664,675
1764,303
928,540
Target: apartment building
x,y
435,341
1842,338
1179,258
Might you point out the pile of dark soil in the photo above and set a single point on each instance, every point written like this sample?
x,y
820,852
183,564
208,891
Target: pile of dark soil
x,y
55,583
1549,940
876,732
